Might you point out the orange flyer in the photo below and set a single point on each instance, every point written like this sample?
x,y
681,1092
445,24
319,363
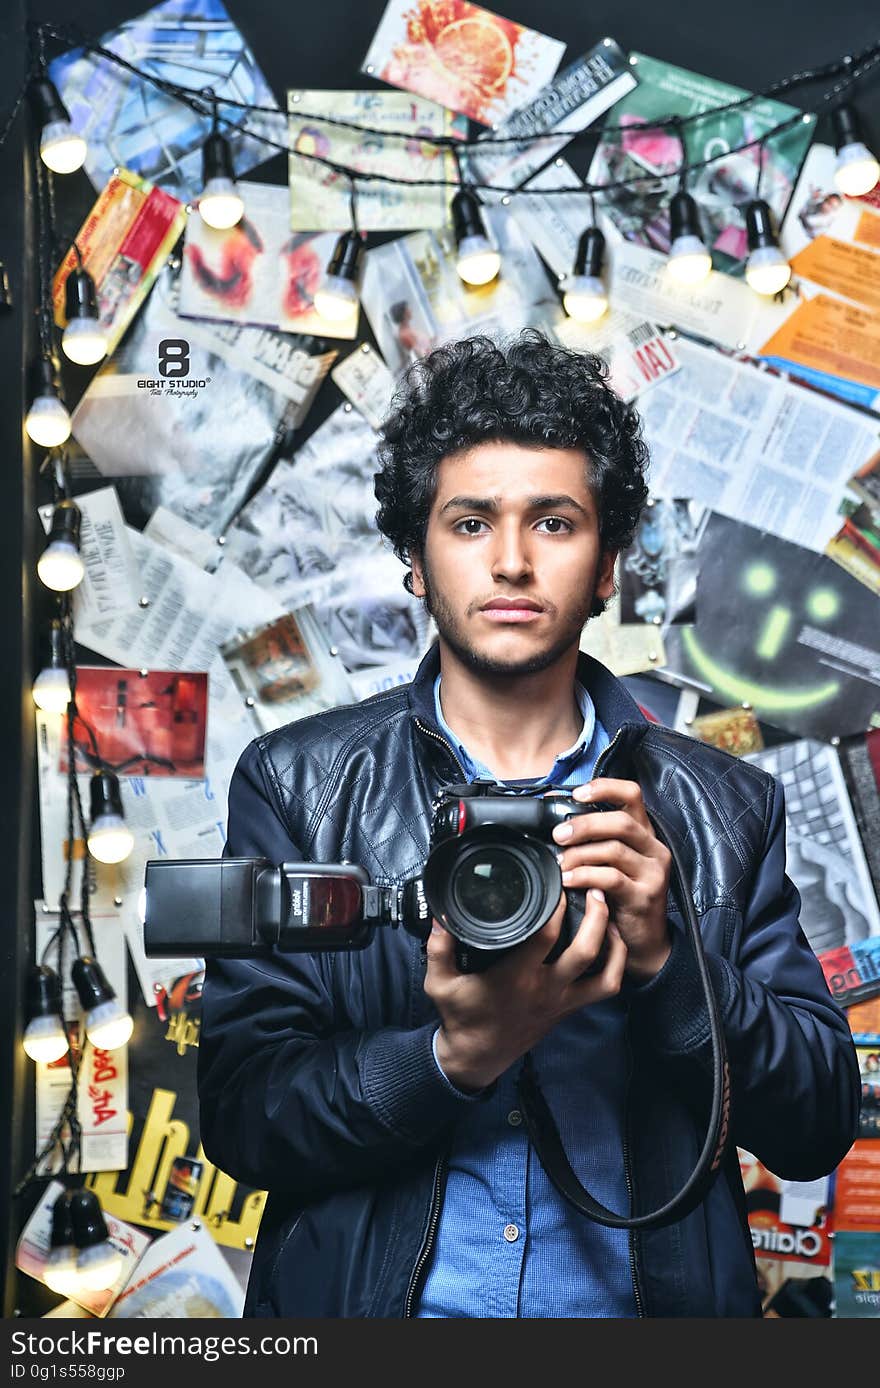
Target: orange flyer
x,y
827,335
124,242
868,229
857,1187
843,268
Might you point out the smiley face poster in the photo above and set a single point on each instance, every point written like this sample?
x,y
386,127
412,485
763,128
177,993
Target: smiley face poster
x,y
783,629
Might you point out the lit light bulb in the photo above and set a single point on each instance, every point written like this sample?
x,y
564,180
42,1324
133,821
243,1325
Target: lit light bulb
x,y
109,838
98,1267
767,270
52,687
45,1040
337,296
61,149
584,296
689,261
477,261
51,690
98,1263
60,1271
60,566
85,338
107,1023
221,206
856,170
47,421
108,1026
45,1037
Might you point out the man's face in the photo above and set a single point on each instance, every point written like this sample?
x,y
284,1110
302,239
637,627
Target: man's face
x,y
512,560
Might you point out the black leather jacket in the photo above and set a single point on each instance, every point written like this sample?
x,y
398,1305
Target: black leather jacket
x,y
316,1075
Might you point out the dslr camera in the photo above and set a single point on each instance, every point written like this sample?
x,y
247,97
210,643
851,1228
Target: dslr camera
x,y
490,877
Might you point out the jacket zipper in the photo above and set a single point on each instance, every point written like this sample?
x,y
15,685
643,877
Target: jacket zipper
x,y
632,1236
430,1232
443,743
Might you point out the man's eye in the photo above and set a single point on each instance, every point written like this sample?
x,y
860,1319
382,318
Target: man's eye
x,y
470,525
555,525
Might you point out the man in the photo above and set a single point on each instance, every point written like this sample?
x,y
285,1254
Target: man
x,y
373,1093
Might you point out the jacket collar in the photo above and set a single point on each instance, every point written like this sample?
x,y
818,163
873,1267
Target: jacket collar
x,y
615,707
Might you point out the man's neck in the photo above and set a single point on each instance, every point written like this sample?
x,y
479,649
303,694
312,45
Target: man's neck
x,y
517,725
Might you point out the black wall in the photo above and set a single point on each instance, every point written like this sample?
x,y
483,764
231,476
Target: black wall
x,y
750,43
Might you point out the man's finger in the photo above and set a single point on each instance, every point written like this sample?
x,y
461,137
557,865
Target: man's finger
x,y
605,790
587,943
440,949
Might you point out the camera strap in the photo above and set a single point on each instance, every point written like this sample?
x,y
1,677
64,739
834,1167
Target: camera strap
x,y
544,1134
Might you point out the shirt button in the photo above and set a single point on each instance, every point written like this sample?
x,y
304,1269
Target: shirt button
x,y
514,1118
511,1233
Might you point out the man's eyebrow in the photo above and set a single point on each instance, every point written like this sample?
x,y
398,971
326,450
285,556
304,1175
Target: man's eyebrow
x,y
489,504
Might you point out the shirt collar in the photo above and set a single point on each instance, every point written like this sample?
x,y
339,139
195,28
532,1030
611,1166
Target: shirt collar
x,y
563,759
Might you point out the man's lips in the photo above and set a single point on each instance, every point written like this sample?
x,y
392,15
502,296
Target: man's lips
x,y
512,610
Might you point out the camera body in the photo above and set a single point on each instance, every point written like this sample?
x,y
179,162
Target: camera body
x,y
491,876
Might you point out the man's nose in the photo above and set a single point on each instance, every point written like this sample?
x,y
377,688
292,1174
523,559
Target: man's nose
x,y
511,560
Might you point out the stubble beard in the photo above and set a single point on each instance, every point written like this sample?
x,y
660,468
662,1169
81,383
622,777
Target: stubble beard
x,y
450,628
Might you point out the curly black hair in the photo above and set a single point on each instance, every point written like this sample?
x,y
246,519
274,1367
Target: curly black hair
x,y
527,391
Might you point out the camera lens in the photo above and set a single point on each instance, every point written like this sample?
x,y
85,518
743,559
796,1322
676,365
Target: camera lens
x,y
490,885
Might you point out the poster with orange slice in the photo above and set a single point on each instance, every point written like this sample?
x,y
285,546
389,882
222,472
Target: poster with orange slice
x,y
462,56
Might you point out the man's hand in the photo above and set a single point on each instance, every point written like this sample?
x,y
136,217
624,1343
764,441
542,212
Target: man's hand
x,y
618,851
491,1019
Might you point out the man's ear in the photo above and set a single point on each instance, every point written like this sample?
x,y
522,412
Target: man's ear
x,y
605,575
418,582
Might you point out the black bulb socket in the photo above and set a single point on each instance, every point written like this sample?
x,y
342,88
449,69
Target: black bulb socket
x,y
846,126
759,225
81,299
684,216
104,795
90,983
347,257
217,158
62,1221
590,250
66,523
47,103
43,993
87,1218
467,219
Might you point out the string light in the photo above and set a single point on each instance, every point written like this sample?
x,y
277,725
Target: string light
x,y
337,297
689,261
110,840
45,1037
477,260
857,170
221,206
60,566
48,422
60,1273
98,1263
767,270
62,149
51,688
85,339
584,296
108,1025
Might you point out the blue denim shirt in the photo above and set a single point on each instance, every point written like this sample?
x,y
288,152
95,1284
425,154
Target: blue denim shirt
x,y
507,1244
